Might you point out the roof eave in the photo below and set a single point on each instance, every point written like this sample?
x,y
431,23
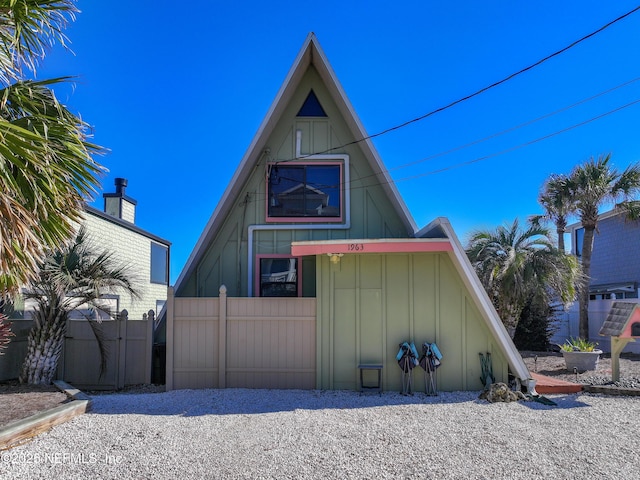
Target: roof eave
x,y
125,224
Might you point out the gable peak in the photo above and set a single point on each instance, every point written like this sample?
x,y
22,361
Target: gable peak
x,y
311,107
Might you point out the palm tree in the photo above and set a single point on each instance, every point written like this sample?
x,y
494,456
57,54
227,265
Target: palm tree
x,y
593,185
5,332
75,276
46,166
516,266
556,201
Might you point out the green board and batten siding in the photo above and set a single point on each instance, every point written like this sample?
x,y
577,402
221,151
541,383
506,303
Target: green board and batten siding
x,y
368,304
372,214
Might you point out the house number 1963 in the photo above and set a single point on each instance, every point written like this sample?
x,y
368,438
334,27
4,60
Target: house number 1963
x,y
356,247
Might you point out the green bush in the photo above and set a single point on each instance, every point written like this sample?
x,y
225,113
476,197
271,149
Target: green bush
x,y
534,329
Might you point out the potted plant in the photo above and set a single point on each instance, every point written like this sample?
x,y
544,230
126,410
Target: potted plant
x,y
580,354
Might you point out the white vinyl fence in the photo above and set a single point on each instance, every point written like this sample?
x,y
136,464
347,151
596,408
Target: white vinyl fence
x,y
567,325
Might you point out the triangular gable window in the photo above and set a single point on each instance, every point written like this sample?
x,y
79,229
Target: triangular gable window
x,y
311,107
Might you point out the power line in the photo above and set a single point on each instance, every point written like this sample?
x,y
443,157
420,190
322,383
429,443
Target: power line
x,y
504,132
485,157
517,147
475,94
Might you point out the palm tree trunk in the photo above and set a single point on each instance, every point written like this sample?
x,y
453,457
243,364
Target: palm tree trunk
x,y
5,332
560,233
587,249
44,347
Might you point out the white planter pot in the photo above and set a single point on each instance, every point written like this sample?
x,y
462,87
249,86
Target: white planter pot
x,y
582,361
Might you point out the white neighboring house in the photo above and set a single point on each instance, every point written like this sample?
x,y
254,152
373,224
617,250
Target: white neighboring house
x,y
145,254
615,275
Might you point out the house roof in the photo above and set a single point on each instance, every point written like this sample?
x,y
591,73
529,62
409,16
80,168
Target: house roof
x,y
618,319
310,54
602,216
124,224
617,287
302,186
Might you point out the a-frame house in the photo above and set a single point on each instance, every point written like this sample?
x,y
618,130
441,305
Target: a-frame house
x,y
312,214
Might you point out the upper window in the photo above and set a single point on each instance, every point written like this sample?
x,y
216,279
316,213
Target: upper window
x,y
309,192
159,263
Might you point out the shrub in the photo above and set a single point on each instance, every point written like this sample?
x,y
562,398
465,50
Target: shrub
x,y
534,328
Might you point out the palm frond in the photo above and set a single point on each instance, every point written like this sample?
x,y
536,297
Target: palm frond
x,y
47,172
28,28
515,264
103,347
78,274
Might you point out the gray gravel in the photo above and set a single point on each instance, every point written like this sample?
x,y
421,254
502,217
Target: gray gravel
x,y
311,434
631,382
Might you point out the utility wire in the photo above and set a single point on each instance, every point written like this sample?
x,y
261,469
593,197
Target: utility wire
x,y
517,147
258,195
475,94
503,132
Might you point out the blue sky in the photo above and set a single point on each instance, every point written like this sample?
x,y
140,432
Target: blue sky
x,y
177,91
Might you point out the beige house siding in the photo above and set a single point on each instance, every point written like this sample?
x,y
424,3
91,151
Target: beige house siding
x,y
134,250
128,212
369,304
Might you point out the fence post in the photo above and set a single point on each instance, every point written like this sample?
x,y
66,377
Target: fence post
x,y
170,340
222,338
122,324
151,321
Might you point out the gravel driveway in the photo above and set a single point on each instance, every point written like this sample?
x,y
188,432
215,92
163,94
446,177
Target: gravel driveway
x,y
310,434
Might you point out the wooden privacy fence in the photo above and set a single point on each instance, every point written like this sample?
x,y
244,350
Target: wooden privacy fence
x,y
241,342
128,343
15,353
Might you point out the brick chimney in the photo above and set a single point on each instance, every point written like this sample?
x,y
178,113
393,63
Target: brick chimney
x,y
118,204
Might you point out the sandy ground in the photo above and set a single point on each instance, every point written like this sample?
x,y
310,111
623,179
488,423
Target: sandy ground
x,y
21,401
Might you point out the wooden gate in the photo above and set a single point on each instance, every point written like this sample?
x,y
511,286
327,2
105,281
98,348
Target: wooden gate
x,y
128,344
